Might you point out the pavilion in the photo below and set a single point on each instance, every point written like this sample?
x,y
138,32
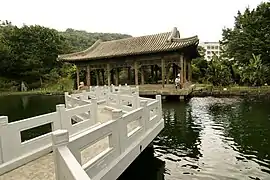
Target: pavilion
x,y
158,58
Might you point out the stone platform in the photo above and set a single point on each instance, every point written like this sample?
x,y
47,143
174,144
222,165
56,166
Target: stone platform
x,y
168,90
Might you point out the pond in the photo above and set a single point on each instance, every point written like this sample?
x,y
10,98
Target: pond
x,y
204,138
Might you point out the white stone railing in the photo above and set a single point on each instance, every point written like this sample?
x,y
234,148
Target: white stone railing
x,y
124,141
124,89
77,115
15,152
123,101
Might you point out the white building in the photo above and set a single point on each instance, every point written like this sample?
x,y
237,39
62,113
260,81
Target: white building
x,y
211,48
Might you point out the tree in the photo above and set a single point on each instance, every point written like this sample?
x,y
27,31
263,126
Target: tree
x,y
250,35
218,73
255,73
34,50
199,66
81,40
30,53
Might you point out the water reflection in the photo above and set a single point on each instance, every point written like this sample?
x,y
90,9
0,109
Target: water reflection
x,y
179,138
215,138
146,166
206,138
25,100
18,107
247,123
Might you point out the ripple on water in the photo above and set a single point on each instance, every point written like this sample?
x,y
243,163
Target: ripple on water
x,y
215,138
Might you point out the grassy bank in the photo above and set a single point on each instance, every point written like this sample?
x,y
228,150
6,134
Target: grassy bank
x,y
41,92
210,90
201,90
56,88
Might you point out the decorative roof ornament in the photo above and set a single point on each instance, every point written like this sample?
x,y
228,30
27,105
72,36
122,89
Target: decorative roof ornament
x,y
174,34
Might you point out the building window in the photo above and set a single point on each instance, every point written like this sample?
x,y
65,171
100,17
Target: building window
x,y
208,47
208,57
216,47
212,47
208,52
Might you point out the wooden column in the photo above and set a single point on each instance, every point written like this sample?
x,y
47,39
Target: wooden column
x,y
78,76
128,75
156,74
163,72
185,69
112,76
108,75
174,71
142,75
168,74
97,77
152,73
189,70
136,72
103,77
88,76
182,69
117,76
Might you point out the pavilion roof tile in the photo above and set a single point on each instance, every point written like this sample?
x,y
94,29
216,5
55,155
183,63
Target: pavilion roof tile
x,y
162,42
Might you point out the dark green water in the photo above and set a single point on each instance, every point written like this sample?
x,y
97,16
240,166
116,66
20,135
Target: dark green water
x,y
205,138
216,138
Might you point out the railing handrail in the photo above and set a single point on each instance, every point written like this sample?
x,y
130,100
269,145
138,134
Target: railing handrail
x,y
13,149
119,140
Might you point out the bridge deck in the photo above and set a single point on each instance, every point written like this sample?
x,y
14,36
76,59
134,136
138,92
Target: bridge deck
x,y
169,89
114,125
43,167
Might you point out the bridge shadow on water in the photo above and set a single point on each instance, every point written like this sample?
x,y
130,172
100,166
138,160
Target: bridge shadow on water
x,y
145,167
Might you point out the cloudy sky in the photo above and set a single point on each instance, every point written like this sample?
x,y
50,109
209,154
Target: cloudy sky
x,y
204,18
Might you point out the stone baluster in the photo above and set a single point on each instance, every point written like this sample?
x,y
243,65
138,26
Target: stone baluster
x,y
94,111
59,138
66,101
158,97
84,95
146,114
116,114
62,122
118,100
3,139
135,103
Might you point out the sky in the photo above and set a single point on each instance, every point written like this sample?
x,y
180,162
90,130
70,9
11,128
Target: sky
x,y
204,18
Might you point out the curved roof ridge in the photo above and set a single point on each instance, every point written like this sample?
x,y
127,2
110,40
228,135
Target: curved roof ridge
x,y
185,39
134,46
81,52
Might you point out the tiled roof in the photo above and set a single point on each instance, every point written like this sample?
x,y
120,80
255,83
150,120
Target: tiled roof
x,y
162,42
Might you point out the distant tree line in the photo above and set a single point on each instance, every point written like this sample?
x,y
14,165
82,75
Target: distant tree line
x,y
29,53
246,52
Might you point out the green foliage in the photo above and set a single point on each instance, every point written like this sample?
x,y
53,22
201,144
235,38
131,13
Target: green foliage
x,y
250,35
199,66
255,73
81,40
218,73
30,53
7,85
246,52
